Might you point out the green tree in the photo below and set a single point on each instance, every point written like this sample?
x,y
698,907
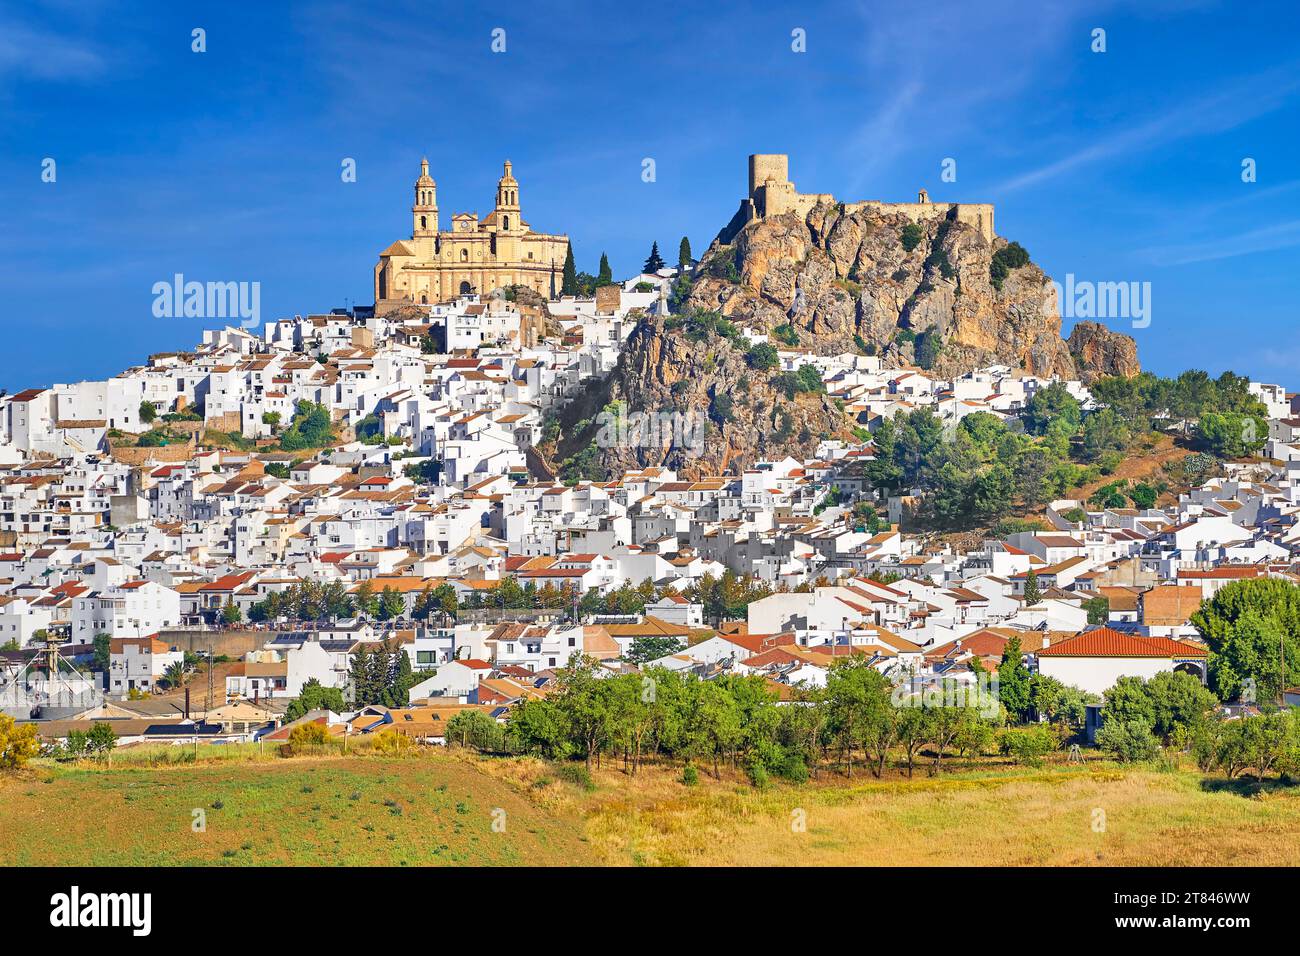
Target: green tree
x,y
231,614
361,677
654,262
101,739
583,700
1032,594
1050,405
1104,431
103,647
860,714
1245,626
1128,700
148,412
391,604
539,727
1179,703
763,357
1027,745
929,346
1128,741
314,696
473,728
569,282
1013,680
606,275
684,254
1232,435
1098,609
366,601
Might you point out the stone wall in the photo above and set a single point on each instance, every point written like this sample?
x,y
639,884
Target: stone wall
x,y
771,193
233,643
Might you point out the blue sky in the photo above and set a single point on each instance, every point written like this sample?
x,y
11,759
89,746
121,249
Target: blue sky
x,y
1116,166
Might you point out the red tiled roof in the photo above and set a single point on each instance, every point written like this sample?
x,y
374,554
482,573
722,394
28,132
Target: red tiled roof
x,y
1106,642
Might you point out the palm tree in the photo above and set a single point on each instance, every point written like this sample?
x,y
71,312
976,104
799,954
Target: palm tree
x,y
176,673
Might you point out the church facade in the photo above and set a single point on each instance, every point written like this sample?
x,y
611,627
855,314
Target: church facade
x,y
473,256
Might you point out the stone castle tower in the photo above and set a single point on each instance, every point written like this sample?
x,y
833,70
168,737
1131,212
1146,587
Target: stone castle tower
x,y
473,256
771,193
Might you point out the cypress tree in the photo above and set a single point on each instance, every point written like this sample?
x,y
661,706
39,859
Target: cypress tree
x,y
569,285
359,673
606,276
381,679
1032,594
684,254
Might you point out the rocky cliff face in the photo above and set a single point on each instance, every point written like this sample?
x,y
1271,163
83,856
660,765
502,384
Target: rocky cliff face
x,y
848,280
860,281
728,414
1099,352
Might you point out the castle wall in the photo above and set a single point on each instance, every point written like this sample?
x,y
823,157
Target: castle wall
x,y
976,215
771,193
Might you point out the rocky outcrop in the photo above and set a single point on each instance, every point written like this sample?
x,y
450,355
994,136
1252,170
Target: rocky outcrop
x,y
849,280
861,280
729,414
1099,352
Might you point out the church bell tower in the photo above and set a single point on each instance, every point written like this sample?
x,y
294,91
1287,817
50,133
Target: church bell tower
x,y
508,201
424,213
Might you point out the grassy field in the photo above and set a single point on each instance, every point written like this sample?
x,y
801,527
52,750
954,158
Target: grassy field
x,y
438,809
306,811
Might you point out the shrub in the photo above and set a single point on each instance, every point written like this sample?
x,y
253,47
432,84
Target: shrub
x,y
722,265
690,776
763,356
1128,741
794,769
1010,256
577,774
912,236
18,744
391,742
1028,745
786,333
307,735
928,348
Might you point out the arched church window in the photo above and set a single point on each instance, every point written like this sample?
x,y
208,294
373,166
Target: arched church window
x,y
505,222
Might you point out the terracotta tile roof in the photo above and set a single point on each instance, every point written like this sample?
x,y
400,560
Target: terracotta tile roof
x,y
1106,642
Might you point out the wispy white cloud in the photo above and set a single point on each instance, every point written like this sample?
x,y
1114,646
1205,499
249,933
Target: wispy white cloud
x,y
1282,235
1216,112
29,52
917,70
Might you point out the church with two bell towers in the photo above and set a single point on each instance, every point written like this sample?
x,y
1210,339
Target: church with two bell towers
x,y
473,256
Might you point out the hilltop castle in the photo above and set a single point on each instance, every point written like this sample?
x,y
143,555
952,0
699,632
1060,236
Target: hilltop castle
x,y
473,256
771,193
